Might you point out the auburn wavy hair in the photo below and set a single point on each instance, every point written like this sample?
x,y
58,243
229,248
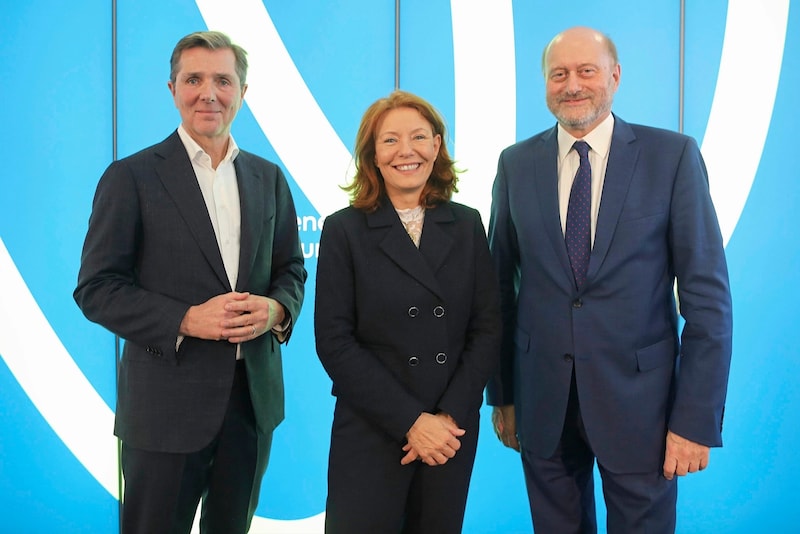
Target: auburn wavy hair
x,y
368,188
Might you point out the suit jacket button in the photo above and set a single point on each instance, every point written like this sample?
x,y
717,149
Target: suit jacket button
x,y
438,311
413,361
577,303
413,311
441,358
568,357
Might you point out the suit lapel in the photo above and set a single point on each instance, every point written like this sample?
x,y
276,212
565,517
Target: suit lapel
x,y
545,171
436,243
401,250
621,162
177,175
251,199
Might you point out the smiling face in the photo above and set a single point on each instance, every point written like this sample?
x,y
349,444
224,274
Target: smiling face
x,y
405,151
581,79
207,93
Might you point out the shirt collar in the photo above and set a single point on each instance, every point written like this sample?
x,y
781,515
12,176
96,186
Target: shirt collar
x,y
196,152
599,138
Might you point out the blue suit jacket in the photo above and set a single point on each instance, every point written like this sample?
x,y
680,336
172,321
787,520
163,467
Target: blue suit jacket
x,y
151,253
635,377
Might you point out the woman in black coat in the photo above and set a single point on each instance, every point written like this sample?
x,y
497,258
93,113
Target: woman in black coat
x,y
407,326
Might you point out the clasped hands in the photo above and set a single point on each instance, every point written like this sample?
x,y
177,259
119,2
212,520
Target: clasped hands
x,y
682,456
432,439
236,317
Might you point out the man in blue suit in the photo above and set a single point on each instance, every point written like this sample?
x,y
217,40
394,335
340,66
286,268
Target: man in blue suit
x,y
593,366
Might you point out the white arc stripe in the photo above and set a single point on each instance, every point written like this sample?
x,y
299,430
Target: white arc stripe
x,y
283,105
485,95
749,72
52,380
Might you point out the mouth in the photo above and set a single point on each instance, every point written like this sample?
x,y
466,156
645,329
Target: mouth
x,y
407,167
574,99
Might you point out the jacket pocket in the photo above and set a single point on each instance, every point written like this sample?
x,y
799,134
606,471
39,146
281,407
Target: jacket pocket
x,y
656,355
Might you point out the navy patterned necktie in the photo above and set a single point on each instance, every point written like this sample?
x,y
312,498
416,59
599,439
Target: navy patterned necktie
x,y
578,234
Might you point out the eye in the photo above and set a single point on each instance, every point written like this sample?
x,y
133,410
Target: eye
x,y
558,76
192,81
420,137
225,82
389,140
588,72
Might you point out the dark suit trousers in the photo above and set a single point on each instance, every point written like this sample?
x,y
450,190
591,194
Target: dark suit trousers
x,y
370,492
561,488
162,490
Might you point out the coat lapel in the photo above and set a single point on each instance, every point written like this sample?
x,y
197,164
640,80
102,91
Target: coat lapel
x,y
177,175
621,163
545,172
397,245
251,199
436,243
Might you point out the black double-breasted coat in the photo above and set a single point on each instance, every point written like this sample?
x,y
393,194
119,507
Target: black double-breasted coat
x,y
402,331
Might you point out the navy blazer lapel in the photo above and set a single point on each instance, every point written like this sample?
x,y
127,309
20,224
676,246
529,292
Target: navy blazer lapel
x,y
621,163
436,243
251,200
397,245
175,171
545,170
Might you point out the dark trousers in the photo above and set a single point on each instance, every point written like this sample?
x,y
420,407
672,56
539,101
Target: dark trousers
x,y
370,492
162,490
561,488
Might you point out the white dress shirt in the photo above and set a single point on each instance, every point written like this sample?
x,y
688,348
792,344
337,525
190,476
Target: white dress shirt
x,y
221,193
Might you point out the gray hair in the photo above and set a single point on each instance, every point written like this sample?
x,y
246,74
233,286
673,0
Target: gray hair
x,y
210,40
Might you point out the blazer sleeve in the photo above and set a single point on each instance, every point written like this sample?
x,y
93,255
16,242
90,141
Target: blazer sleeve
x,y
705,304
107,291
503,247
287,280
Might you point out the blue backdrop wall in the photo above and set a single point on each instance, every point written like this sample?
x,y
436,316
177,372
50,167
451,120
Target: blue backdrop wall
x,y
315,67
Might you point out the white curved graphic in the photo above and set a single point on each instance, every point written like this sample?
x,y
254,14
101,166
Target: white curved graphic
x,y
52,380
282,104
754,35
485,95
742,107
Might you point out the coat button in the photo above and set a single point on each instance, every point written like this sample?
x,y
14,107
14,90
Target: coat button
x,y
413,311
568,357
577,303
413,361
441,358
438,311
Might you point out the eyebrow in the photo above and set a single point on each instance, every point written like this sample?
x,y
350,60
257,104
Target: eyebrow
x,y
420,129
213,75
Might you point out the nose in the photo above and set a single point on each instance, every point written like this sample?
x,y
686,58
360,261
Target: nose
x,y
404,147
573,83
207,93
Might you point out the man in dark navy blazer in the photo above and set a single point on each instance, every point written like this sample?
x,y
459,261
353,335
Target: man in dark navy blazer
x,y
193,257
593,366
